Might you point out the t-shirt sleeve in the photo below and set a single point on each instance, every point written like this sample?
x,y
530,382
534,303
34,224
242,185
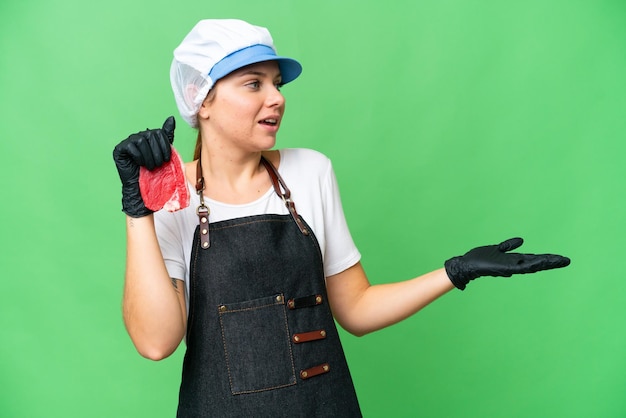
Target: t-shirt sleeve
x,y
170,241
340,252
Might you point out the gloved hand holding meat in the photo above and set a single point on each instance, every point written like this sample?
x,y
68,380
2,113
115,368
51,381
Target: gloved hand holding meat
x,y
151,172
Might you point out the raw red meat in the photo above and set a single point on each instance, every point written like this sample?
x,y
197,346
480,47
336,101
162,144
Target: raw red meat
x,y
165,187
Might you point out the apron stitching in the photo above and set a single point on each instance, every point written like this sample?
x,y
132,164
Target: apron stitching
x,y
293,368
219,228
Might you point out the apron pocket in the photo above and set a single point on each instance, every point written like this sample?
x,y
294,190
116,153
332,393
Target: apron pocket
x,y
256,344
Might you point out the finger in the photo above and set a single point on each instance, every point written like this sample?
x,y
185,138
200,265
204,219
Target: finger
x,y
159,146
162,147
531,263
554,261
133,154
143,145
168,128
510,244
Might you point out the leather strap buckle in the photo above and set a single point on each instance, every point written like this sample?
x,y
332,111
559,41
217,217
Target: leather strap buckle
x,y
277,182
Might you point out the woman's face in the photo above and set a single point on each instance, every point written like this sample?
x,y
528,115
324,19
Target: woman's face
x,y
245,109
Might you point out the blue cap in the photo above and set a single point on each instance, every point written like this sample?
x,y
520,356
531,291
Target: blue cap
x,y
290,69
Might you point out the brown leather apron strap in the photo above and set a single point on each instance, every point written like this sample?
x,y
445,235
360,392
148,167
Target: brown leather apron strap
x,y
202,211
278,182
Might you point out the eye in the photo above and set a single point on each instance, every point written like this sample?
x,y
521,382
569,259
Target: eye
x,y
254,84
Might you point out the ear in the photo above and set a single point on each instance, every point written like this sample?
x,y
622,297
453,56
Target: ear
x,y
206,104
203,112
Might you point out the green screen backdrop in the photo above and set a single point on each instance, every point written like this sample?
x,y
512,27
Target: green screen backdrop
x,y
450,124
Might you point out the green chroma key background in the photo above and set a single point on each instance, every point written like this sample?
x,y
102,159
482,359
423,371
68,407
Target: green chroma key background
x,y
451,124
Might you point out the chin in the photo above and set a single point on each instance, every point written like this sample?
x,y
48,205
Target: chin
x,y
267,145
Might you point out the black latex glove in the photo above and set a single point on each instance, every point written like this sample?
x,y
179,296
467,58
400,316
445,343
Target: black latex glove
x,y
495,260
150,148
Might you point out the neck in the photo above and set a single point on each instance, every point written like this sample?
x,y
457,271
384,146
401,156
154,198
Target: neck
x,y
234,179
230,167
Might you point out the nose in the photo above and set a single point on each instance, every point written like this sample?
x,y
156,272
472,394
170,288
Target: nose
x,y
275,98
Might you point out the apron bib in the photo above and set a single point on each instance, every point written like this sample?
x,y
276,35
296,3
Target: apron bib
x,y
261,339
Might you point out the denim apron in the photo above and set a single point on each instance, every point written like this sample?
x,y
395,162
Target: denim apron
x,y
261,339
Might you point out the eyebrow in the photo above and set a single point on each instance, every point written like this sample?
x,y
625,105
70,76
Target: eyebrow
x,y
257,73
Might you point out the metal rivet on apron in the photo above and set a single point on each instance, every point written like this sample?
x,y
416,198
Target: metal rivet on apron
x,y
204,231
205,244
279,298
323,333
222,308
203,220
296,338
318,299
304,374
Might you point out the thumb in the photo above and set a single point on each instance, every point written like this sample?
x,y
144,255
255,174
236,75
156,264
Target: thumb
x,y
510,244
168,128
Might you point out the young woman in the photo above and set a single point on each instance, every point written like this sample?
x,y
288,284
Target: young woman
x,y
253,272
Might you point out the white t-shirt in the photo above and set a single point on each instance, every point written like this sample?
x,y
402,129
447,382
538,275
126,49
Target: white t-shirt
x,y
309,176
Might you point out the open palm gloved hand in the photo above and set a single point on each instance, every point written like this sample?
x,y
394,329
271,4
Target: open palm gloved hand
x,y
150,148
496,260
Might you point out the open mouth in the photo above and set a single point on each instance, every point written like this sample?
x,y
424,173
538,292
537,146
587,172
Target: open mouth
x,y
269,122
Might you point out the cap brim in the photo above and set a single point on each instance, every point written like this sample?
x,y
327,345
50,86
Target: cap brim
x,y
290,69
